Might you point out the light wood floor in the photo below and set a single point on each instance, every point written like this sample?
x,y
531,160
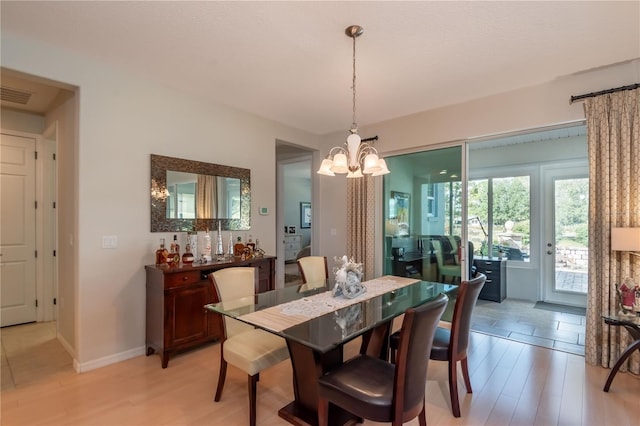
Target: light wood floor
x,y
513,383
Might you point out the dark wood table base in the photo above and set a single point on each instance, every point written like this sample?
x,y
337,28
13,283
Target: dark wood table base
x,y
308,365
634,331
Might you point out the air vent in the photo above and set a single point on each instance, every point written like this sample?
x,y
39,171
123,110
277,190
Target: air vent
x,y
14,95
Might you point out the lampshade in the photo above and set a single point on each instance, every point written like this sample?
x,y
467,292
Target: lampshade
x,y
325,167
625,239
340,164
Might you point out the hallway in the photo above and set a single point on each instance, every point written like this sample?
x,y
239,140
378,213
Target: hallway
x,y
31,353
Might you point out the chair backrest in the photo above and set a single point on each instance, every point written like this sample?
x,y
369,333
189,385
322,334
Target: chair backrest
x,y
468,293
437,249
416,338
231,285
313,269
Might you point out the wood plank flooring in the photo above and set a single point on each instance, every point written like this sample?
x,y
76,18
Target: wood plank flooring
x,y
513,384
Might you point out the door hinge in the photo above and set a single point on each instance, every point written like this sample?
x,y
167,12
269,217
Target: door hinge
x,y
54,253
55,301
36,303
36,254
54,156
54,204
36,154
36,203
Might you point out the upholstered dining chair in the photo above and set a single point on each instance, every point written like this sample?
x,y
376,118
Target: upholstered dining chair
x,y
445,270
451,344
249,349
372,388
313,270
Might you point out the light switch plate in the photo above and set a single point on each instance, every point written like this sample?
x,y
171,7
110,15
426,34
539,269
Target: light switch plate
x,y
264,211
109,241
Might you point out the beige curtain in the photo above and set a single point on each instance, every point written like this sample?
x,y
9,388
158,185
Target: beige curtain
x,y
361,222
207,200
613,134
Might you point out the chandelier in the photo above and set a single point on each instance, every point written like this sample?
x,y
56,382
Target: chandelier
x,y
357,157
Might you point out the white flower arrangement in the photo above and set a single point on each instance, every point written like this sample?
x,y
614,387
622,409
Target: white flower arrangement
x,y
348,276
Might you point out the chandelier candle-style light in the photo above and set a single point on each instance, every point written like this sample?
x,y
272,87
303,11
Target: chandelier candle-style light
x,y
356,157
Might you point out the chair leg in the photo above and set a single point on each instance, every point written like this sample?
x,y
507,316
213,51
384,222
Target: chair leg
x,y
221,378
323,412
422,417
453,388
252,382
465,374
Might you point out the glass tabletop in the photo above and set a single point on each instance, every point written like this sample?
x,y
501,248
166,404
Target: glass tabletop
x,y
327,331
631,319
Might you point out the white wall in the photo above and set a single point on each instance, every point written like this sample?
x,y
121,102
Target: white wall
x,y
122,119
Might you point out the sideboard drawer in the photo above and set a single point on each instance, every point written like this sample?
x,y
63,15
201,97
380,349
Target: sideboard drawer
x,y
181,278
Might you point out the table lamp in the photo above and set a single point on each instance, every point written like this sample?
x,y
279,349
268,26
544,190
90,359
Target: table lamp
x,y
626,239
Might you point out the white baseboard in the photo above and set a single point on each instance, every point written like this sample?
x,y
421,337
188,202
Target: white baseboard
x,y
107,360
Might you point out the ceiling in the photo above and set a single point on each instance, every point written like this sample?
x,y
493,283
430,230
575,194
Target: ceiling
x,y
291,61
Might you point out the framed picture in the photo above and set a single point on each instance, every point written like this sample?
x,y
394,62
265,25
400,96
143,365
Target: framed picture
x,y
399,210
305,215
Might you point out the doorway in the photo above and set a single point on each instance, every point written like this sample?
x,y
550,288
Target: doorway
x,y
566,242
294,218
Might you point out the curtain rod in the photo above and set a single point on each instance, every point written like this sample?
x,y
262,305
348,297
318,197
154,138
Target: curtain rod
x,y
604,92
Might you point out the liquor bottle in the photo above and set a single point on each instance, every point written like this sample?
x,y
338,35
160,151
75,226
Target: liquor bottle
x,y
251,245
187,257
192,240
238,248
175,246
161,254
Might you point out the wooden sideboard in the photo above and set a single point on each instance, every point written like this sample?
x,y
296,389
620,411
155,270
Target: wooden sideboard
x,y
176,318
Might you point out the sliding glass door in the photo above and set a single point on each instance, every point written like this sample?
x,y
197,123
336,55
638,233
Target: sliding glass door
x,y
423,215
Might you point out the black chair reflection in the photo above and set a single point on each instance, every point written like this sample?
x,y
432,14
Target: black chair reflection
x,y
374,389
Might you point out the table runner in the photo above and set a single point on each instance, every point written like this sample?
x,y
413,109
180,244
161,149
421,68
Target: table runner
x,y
285,315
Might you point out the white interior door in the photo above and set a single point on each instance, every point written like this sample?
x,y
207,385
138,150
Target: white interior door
x,y
566,247
17,230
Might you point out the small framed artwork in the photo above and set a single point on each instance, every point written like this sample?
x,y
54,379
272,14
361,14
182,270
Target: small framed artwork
x,y
292,229
305,215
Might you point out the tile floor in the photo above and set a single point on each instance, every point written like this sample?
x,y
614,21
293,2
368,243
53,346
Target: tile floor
x,y
518,320
29,353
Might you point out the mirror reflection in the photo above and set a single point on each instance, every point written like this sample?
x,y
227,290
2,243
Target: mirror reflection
x,y
192,195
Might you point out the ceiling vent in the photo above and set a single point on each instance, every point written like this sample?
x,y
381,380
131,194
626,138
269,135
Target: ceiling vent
x,y
17,96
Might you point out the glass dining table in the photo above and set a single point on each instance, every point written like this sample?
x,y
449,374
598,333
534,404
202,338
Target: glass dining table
x,y
317,325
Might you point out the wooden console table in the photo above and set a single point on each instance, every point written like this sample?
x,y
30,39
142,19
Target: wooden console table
x,y
176,318
632,324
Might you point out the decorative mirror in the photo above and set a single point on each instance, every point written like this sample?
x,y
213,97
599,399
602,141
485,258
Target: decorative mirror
x,y
191,195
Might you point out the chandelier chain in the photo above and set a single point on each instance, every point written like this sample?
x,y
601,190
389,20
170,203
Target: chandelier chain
x,y
354,126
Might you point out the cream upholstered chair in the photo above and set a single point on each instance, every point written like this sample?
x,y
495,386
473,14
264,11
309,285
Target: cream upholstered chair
x,y
249,349
444,270
313,270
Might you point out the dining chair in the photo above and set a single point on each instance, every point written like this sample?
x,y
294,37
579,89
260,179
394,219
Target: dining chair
x,y
374,389
445,270
313,270
249,349
451,344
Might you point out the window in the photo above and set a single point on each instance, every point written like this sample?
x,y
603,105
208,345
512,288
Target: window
x,y
500,211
